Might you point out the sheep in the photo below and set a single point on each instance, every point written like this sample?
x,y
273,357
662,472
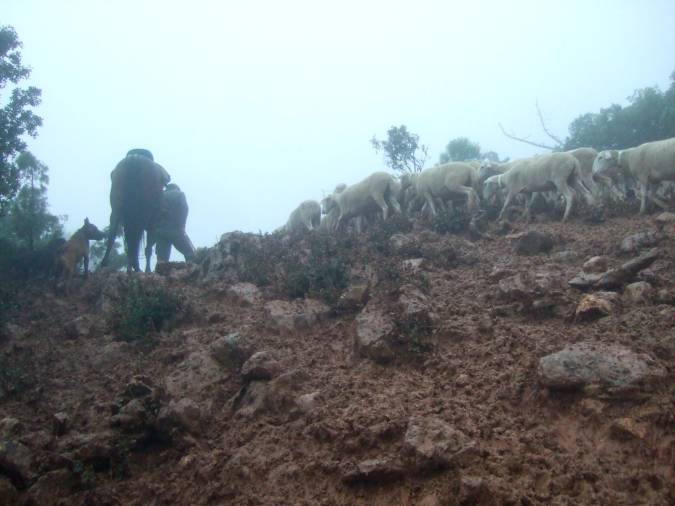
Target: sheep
x,y
442,181
307,216
553,171
649,164
586,157
379,189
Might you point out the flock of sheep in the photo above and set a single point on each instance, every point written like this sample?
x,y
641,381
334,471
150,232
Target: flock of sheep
x,y
596,176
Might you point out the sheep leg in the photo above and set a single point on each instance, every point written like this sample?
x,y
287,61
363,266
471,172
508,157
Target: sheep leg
x,y
528,207
430,203
379,200
394,203
644,191
658,201
509,198
568,193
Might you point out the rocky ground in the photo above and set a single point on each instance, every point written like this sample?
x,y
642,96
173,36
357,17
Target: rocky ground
x,y
530,365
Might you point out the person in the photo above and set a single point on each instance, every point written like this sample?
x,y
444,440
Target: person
x,y
171,225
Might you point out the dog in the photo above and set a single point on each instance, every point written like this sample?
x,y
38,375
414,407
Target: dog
x,y
75,250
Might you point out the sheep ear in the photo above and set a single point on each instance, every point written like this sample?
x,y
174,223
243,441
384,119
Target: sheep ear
x,y
86,221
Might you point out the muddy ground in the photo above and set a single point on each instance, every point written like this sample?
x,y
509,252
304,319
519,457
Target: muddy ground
x,y
477,371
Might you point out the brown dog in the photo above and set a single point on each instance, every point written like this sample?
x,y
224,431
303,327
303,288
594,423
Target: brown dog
x,y
76,249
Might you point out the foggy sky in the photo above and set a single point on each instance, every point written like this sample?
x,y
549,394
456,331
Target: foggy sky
x,y
255,106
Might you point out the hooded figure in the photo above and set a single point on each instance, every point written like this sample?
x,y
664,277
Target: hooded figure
x,y
171,225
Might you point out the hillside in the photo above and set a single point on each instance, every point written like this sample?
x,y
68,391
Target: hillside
x,y
411,373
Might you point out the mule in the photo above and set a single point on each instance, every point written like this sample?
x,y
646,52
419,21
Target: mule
x,y
135,197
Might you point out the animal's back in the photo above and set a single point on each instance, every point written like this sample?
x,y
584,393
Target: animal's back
x,y
136,189
658,157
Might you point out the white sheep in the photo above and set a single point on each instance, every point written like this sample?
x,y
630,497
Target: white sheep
x,y
378,191
442,182
307,216
586,157
649,164
554,171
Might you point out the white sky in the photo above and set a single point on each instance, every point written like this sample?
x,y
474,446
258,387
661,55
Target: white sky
x,y
255,106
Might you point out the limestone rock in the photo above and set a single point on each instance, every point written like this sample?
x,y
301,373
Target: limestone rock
x,y
596,265
289,316
612,368
638,293
354,297
640,240
533,242
432,443
196,373
380,470
374,328
260,366
245,294
183,414
596,305
230,350
627,428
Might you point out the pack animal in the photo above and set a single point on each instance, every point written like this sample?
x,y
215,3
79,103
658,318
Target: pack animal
x,y
135,199
75,250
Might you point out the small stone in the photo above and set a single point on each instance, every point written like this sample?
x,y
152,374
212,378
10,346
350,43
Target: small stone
x,y
432,443
15,332
183,414
245,294
10,427
565,256
230,350
640,292
374,328
16,463
596,305
260,366
80,327
665,218
627,428
60,424
380,470
533,242
641,240
307,402
412,265
591,407
354,297
596,265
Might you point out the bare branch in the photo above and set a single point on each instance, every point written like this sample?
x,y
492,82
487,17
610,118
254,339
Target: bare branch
x,y
543,126
521,139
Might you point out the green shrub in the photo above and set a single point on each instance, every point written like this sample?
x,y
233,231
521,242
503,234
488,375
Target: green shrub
x,y
451,223
323,273
142,309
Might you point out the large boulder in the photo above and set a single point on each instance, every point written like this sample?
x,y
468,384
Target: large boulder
x,y
181,415
279,396
611,368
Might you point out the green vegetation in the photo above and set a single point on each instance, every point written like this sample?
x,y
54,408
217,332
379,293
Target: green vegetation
x,y
402,150
140,310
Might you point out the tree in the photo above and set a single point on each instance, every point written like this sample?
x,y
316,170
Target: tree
x,y
460,149
649,116
16,118
402,150
28,219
